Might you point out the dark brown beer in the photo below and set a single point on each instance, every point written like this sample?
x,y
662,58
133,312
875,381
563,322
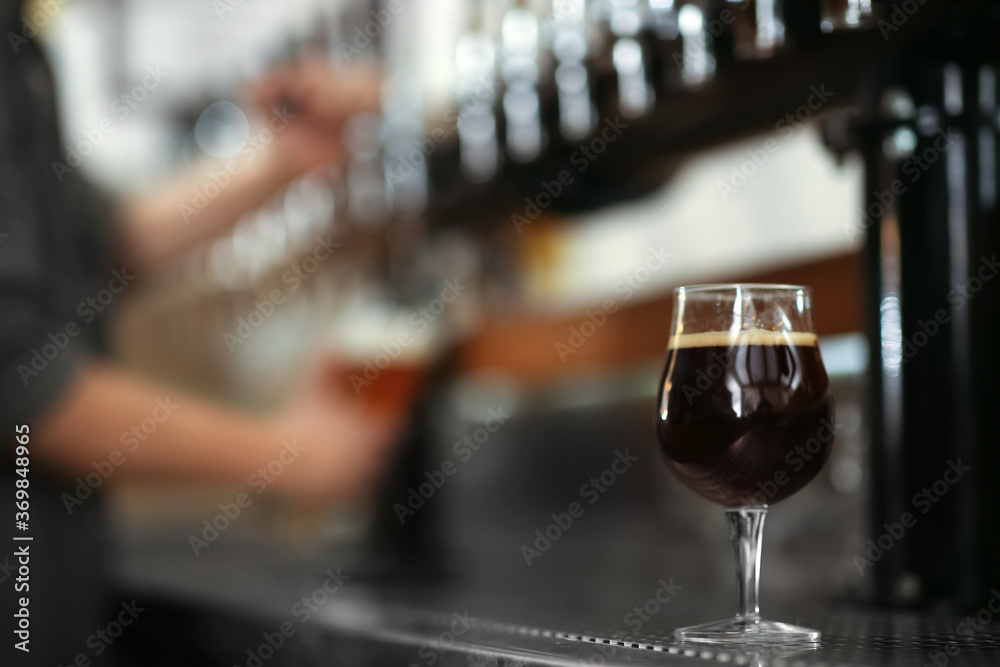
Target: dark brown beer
x,y
745,420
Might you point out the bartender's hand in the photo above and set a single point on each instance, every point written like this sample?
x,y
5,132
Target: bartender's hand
x,y
337,452
322,99
315,99
342,447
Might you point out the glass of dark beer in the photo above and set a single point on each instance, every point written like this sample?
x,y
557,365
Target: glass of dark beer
x,y
745,420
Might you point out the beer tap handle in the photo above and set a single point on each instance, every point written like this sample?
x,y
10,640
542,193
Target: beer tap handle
x,y
569,46
519,67
770,33
845,14
635,94
475,91
664,15
404,154
366,186
698,59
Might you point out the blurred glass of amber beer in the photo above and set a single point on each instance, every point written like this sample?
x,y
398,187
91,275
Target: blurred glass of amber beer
x,y
382,366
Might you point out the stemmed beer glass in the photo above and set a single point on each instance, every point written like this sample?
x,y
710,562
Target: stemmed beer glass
x,y
745,420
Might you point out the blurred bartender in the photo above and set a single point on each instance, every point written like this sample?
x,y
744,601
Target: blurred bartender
x,y
62,242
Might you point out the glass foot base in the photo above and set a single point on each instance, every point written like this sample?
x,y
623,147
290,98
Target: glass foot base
x,y
746,630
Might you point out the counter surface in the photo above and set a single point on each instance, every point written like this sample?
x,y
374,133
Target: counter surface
x,y
243,600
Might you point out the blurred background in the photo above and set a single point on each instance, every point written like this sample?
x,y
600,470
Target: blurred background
x,y
540,177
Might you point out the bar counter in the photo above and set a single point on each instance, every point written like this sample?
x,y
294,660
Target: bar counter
x,y
250,605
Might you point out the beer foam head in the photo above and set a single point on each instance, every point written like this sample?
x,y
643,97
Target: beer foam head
x,y
366,330
742,337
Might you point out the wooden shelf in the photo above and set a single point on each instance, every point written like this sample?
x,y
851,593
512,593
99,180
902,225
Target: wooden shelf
x,y
535,349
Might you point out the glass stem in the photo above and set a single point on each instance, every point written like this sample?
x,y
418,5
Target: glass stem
x,y
746,525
